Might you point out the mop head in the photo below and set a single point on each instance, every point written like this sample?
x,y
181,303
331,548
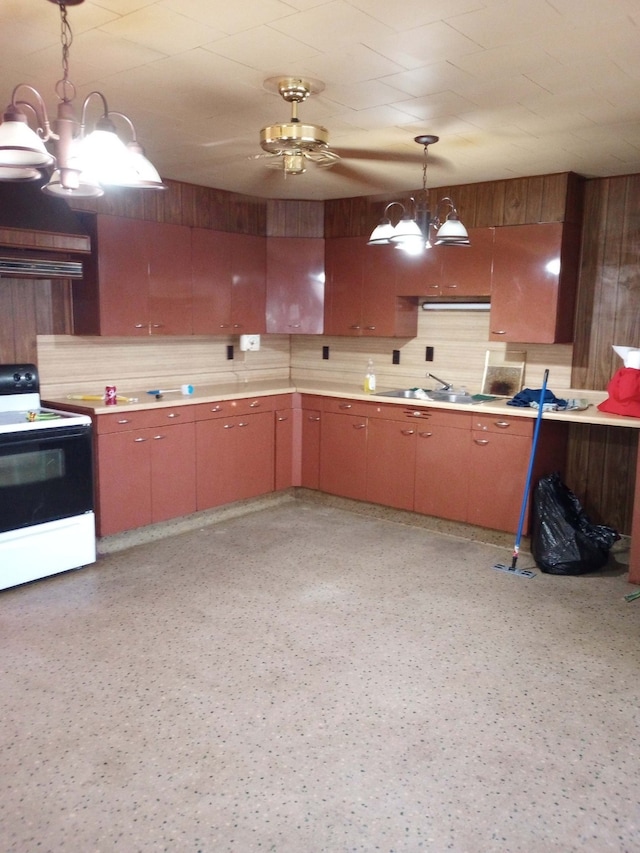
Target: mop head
x,y
512,570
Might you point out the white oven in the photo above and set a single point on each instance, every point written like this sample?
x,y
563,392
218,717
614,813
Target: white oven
x,y
47,523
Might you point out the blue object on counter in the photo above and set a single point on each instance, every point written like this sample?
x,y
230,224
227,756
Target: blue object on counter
x,y
526,397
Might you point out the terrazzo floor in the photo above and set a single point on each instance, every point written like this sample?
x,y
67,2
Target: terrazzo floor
x,y
304,679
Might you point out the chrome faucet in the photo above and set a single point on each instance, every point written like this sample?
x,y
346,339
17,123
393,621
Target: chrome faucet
x,y
446,386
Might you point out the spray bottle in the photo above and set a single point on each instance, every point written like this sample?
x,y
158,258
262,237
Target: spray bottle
x,y
370,378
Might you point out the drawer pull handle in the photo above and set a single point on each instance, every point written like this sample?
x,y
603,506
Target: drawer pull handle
x,y
407,431
139,439
425,434
282,418
229,426
216,409
498,332
503,424
344,406
370,328
243,424
254,404
481,441
124,421
359,426
313,418
140,326
173,415
158,437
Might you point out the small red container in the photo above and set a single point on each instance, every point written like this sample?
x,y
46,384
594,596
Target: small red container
x,y
110,396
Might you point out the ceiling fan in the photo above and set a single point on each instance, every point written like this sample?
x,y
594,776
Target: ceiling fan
x,y
289,146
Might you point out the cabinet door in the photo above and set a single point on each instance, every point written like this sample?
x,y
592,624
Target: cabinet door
x,y
343,292
173,471
215,452
442,471
466,270
211,281
248,284
124,481
499,464
123,276
284,449
254,455
170,296
295,285
391,458
343,455
525,288
420,275
310,463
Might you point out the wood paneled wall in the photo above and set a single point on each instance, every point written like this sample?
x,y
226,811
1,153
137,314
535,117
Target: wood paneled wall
x,y
29,308
543,198
602,461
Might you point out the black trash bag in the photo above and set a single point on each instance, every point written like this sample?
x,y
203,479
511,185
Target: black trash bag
x,y
563,540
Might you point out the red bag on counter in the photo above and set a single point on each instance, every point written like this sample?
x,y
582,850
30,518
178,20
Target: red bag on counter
x,y
624,393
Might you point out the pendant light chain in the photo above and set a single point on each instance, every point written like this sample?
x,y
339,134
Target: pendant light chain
x,y
65,89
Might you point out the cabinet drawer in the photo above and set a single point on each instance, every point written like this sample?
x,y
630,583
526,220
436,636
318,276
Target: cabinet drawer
x,y
142,419
345,406
244,406
439,417
503,424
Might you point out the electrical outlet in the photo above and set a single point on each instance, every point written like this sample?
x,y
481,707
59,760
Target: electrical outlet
x,y
325,353
429,354
395,358
229,352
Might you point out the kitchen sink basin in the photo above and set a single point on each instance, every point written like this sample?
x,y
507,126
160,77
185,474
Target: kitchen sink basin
x,y
426,394
406,393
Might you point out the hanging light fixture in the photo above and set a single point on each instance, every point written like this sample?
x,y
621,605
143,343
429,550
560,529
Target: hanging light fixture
x,y
414,229
84,163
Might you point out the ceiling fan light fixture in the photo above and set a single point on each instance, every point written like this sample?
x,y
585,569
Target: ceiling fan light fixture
x,y
294,163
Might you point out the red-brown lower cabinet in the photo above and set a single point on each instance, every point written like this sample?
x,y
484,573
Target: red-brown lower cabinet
x,y
310,425
442,464
391,461
145,473
286,464
235,452
343,454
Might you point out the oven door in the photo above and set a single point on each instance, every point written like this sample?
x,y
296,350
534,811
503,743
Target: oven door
x,y
45,475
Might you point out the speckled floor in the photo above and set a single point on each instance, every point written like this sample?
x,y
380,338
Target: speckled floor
x,y
306,678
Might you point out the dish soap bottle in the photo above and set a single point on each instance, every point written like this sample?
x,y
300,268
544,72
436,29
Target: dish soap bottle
x,y
370,378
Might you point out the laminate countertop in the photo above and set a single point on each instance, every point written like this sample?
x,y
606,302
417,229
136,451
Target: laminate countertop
x,y
236,390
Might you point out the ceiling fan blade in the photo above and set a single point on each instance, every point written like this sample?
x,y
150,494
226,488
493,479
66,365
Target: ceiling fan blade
x,y
390,156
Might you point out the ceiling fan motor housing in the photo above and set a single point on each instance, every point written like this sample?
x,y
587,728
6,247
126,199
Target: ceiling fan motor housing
x,y
276,138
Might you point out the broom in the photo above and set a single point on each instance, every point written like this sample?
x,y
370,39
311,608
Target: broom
x,y
512,569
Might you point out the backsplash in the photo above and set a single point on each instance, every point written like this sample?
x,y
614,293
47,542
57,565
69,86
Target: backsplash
x,y
70,364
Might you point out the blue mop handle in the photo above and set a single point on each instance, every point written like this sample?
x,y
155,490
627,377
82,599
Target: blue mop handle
x,y
532,457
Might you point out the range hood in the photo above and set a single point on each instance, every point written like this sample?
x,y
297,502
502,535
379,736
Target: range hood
x,y
29,266
40,236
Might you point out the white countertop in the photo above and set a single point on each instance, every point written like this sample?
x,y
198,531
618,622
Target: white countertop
x,y
235,390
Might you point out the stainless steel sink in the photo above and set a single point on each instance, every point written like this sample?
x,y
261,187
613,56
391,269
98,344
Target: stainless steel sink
x,y
406,393
426,395
450,397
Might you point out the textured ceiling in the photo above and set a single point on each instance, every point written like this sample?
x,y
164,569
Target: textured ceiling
x,y
511,87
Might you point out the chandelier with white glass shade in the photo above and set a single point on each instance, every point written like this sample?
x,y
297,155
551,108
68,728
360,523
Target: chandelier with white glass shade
x,y
80,162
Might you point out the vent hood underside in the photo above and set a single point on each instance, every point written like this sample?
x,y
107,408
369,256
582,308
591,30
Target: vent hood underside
x,y
40,267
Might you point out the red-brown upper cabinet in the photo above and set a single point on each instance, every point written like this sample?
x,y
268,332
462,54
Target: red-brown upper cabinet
x,y
449,271
139,282
533,289
361,298
295,285
229,282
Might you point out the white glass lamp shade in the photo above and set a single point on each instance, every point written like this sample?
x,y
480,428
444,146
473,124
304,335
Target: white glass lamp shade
x,y
412,245
407,230
104,155
70,182
452,232
19,173
382,233
19,145
148,177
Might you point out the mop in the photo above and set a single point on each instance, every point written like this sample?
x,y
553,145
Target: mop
x,y
512,569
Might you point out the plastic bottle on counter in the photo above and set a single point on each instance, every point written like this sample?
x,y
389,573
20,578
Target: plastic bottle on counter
x,y
370,378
